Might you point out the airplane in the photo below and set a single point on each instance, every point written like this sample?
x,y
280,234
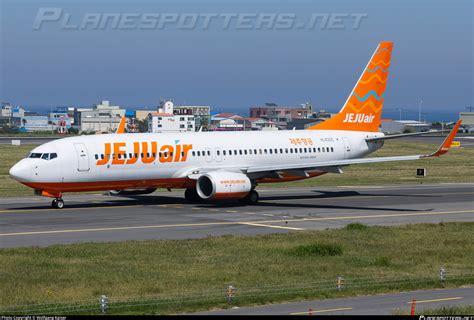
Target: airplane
x,y
219,165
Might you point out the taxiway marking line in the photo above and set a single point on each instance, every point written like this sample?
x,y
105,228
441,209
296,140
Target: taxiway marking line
x,y
436,300
319,311
223,223
270,226
65,209
310,198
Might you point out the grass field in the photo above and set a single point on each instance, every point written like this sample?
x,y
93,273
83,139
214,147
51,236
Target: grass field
x,y
82,272
456,166
443,311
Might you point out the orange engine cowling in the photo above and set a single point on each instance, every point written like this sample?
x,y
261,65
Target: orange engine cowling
x,y
223,185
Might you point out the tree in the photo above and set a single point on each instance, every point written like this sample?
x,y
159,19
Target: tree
x,y
143,125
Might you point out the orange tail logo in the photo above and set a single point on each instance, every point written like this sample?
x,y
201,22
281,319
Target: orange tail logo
x,y
363,107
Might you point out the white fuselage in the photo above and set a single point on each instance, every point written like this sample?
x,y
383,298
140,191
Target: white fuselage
x,y
165,159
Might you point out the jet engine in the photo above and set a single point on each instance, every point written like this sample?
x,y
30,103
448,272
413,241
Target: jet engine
x,y
223,185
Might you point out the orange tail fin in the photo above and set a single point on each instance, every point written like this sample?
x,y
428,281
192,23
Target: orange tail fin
x,y
363,107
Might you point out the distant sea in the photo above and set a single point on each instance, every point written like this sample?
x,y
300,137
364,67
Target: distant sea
x,y
430,116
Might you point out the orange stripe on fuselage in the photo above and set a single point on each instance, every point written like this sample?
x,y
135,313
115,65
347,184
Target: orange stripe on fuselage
x,y
54,187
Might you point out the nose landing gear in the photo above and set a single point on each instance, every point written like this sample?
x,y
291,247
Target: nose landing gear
x,y
57,203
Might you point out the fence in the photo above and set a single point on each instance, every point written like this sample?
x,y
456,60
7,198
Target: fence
x,y
233,295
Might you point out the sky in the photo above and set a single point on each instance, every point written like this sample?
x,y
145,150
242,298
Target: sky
x,y
235,66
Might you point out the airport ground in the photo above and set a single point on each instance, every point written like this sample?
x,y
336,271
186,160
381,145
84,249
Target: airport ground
x,y
387,225
294,238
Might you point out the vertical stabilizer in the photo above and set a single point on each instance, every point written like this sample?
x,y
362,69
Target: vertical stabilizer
x,y
363,108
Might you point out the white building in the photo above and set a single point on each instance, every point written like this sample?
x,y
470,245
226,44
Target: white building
x,y
102,117
401,126
165,121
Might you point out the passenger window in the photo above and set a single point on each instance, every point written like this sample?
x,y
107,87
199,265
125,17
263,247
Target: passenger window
x,y
182,154
286,150
218,153
171,154
240,152
305,150
319,149
245,151
314,149
119,156
276,151
332,149
141,154
281,150
130,155
102,156
301,150
250,151
193,153
199,153
154,155
96,157
270,151
208,152
265,150
254,151
291,150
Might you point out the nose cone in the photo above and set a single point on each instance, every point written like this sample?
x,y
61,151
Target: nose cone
x,y
21,171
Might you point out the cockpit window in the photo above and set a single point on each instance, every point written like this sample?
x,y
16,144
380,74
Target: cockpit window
x,y
44,156
35,155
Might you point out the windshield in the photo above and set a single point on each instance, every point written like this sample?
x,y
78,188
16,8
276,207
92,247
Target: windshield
x,y
44,156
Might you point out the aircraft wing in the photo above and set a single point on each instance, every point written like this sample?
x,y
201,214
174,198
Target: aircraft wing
x,y
328,166
444,147
396,136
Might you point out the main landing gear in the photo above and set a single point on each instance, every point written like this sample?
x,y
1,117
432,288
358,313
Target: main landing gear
x,y
57,203
251,198
192,196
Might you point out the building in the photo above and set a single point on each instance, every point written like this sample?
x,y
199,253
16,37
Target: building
x,y
141,115
10,116
60,119
201,114
166,121
401,126
103,117
281,115
250,124
467,118
35,122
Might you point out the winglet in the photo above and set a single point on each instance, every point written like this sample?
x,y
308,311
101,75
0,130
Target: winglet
x,y
444,148
121,127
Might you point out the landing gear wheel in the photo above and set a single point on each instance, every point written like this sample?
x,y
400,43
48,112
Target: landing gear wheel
x,y
192,196
251,198
57,204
